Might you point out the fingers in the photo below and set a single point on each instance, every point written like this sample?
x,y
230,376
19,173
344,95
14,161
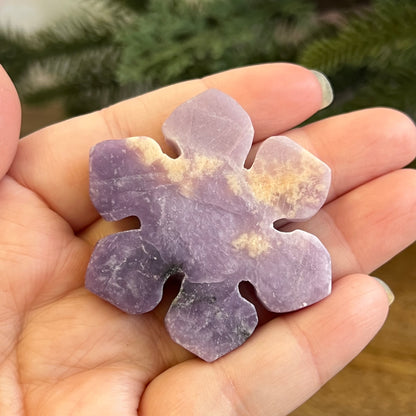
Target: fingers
x,y
358,146
9,121
363,228
276,97
282,364
54,161
367,226
282,96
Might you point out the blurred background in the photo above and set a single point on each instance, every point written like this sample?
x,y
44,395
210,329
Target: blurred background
x,y
75,56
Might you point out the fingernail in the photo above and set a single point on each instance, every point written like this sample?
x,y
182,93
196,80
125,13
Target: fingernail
x,y
327,93
389,293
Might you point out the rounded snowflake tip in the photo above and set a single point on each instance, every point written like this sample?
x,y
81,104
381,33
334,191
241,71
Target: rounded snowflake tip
x,y
205,217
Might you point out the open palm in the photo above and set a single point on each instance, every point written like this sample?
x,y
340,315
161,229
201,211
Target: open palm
x,y
63,351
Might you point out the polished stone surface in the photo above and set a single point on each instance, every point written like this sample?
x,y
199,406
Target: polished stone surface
x,y
207,218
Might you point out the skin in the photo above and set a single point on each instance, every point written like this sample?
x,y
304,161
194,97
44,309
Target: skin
x,y
63,351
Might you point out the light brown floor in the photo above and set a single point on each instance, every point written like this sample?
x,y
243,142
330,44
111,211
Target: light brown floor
x,y
381,381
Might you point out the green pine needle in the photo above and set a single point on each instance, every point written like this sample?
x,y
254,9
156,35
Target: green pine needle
x,y
112,49
373,38
175,40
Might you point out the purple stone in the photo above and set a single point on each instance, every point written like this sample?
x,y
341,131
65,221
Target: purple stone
x,y
208,219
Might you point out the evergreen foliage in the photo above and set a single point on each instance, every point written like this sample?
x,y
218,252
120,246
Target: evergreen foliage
x,y
13,53
175,40
117,48
75,59
371,58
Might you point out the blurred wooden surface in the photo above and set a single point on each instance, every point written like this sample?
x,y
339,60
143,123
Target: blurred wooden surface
x,y
38,116
381,381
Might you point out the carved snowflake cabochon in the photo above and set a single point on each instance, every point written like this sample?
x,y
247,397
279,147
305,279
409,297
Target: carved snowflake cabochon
x,y
208,219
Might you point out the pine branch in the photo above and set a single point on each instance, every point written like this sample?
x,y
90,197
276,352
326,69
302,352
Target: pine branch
x,y
61,59
207,37
74,34
13,52
84,71
137,6
82,94
58,49
386,91
370,38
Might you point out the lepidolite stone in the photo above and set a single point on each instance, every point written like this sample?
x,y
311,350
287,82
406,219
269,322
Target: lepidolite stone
x,y
205,217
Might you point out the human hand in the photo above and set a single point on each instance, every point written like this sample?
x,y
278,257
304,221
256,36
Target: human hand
x,y
64,351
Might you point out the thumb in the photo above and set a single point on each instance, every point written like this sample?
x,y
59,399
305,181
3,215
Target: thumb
x,y
10,116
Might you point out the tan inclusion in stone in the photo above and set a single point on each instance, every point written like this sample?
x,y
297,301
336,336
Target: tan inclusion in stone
x,y
293,181
182,171
254,243
234,183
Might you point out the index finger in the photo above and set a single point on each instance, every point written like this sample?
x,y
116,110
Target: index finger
x,y
53,162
